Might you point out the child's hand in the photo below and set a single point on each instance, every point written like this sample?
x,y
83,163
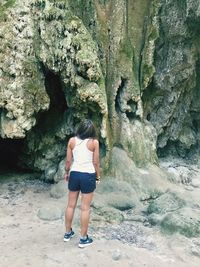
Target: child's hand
x,y
66,177
98,180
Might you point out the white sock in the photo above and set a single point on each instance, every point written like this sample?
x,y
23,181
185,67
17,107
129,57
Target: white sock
x,y
84,237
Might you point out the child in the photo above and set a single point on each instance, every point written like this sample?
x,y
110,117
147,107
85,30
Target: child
x,y
82,171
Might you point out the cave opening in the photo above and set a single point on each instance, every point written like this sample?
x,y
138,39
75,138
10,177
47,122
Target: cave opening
x,y
10,151
15,155
54,89
20,155
131,114
177,150
49,119
119,94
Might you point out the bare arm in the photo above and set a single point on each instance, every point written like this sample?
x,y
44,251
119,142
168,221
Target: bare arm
x,y
96,162
69,157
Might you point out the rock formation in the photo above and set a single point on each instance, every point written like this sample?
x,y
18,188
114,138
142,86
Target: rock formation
x,y
131,66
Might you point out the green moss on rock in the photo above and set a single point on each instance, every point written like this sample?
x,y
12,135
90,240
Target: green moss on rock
x,y
166,203
185,221
4,7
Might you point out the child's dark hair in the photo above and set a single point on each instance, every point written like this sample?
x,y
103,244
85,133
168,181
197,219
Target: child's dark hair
x,y
85,129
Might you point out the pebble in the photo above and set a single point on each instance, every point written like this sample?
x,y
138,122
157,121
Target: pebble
x,y
128,232
196,182
116,255
195,252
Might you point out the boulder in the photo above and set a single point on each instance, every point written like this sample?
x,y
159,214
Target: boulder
x,y
59,190
185,221
148,183
167,202
60,172
50,213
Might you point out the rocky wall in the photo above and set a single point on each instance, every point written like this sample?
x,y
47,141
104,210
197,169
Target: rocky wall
x,y
171,100
131,66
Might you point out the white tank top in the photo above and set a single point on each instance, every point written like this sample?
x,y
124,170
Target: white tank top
x,y
82,157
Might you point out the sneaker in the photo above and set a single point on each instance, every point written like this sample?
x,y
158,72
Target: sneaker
x,y
69,235
85,242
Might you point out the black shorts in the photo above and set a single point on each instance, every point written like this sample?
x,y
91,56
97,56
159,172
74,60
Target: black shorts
x,y
82,181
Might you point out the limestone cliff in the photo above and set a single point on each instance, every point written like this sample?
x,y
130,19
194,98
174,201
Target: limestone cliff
x,y
131,66
171,100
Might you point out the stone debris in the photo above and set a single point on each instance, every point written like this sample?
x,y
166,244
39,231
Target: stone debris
x,y
116,255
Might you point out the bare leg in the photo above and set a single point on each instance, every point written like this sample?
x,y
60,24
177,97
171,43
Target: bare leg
x,y
69,213
85,212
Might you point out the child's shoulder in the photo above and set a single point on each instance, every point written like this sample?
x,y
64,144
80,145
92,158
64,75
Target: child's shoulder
x,y
95,141
71,140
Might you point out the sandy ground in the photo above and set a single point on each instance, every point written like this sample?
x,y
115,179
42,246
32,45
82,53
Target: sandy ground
x,y
26,240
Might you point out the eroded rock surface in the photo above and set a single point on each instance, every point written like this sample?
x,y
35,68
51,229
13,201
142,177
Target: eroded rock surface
x,y
171,99
62,61
22,90
133,67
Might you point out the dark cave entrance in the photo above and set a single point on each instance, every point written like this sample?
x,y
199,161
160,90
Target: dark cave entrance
x,y
120,90
19,155
58,105
131,112
14,157
54,89
10,151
